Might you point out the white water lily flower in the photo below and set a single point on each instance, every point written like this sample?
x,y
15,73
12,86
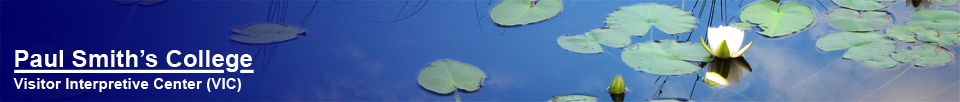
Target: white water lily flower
x,y
725,42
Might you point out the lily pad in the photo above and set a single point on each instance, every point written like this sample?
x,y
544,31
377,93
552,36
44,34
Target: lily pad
x,y
667,57
573,98
904,33
945,2
863,46
926,55
850,20
940,20
590,42
778,19
880,62
446,76
743,26
266,33
609,37
861,4
943,39
521,12
636,19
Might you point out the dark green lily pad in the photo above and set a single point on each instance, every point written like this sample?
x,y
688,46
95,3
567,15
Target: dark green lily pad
x,y
880,62
863,46
942,39
850,20
940,20
266,33
667,57
926,55
861,4
636,19
904,33
778,19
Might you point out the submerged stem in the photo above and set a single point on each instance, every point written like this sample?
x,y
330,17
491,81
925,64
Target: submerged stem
x,y
885,84
456,95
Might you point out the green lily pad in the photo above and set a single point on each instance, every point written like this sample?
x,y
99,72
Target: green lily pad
x,y
926,55
850,20
521,12
573,98
636,19
941,20
778,19
590,42
880,62
667,57
904,33
943,39
579,44
609,37
446,76
861,4
742,26
266,33
945,2
863,46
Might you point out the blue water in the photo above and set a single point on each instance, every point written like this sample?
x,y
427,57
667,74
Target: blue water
x,y
347,55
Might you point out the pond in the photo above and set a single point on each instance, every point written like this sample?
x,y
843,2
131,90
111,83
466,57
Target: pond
x,y
799,50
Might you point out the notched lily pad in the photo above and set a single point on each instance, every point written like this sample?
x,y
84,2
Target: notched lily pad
x,y
266,33
590,43
942,39
778,19
573,98
862,4
940,20
926,55
904,33
636,19
850,20
521,12
667,57
863,46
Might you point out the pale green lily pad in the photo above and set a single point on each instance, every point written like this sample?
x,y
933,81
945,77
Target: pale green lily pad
x,y
850,20
636,19
742,26
590,43
609,37
778,19
266,33
573,98
446,76
863,46
945,2
521,12
880,62
904,33
861,4
926,55
941,20
579,44
943,39
665,57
